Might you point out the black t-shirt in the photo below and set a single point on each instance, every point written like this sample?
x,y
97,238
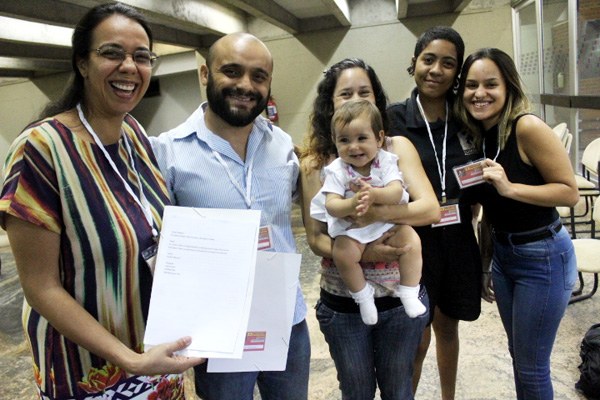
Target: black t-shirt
x,y
405,120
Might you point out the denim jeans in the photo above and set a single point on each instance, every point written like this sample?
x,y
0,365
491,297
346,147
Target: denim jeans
x,y
369,355
533,283
290,384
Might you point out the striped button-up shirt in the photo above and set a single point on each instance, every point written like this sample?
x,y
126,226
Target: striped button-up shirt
x,y
201,169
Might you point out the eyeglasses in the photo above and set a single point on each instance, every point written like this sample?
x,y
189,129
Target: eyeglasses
x,y
141,58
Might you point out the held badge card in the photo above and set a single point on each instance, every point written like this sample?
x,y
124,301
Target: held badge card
x,y
470,174
450,215
271,316
204,280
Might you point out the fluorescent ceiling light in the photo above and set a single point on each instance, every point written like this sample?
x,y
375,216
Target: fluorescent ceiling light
x,y
18,30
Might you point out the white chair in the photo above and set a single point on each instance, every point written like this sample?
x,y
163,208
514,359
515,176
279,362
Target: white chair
x,y
587,252
560,130
590,164
568,140
587,182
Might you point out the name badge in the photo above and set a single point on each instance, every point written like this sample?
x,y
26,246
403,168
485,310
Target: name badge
x,y
265,238
149,256
450,215
469,174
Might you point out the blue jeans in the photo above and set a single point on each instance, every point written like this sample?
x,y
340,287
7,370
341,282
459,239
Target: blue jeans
x,y
290,384
369,355
533,283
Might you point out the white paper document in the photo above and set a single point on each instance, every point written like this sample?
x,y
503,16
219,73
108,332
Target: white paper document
x,y
203,280
271,316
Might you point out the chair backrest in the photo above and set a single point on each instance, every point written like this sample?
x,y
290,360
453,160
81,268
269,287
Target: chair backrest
x,y
567,142
596,212
560,130
591,157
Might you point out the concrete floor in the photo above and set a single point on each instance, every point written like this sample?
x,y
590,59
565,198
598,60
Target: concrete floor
x,y
484,367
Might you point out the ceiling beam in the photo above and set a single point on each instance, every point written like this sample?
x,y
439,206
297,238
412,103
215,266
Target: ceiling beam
x,y
177,37
340,10
269,11
188,32
402,8
319,23
15,73
460,5
28,50
17,30
195,16
408,9
46,11
34,64
435,7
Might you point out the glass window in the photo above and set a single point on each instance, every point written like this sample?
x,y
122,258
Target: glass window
x,y
588,67
555,38
528,52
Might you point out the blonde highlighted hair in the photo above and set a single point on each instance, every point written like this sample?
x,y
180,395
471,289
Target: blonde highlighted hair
x,y
516,103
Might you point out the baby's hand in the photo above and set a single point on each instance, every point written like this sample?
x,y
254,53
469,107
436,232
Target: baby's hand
x,y
356,185
364,198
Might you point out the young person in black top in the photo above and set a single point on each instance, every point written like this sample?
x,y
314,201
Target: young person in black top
x,y
451,262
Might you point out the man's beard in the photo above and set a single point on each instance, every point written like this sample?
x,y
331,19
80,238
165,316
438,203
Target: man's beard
x,y
217,100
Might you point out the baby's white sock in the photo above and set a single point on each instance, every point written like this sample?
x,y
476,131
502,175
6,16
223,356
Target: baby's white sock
x,y
366,303
409,296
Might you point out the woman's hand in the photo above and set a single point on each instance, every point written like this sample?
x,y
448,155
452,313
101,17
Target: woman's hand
x,y
487,288
494,173
540,148
379,250
161,359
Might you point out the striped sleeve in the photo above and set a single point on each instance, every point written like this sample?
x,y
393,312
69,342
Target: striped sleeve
x,y
30,190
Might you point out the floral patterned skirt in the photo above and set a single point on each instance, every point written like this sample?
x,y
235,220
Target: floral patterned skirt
x,y
112,384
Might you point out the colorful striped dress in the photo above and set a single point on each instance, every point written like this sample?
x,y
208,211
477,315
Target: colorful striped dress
x,y
56,180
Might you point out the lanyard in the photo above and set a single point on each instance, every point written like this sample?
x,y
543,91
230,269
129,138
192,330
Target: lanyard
x,y
245,194
497,151
441,168
142,201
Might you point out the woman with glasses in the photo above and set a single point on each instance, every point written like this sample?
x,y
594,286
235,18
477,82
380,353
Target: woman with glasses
x,y
82,203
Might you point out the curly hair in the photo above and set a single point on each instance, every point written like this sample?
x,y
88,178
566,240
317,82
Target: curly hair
x,y
319,143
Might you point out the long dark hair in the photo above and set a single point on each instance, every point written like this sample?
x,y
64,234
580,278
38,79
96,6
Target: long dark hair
x,y
319,143
439,33
516,103
81,43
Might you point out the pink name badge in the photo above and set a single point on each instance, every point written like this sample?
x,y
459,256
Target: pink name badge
x,y
470,174
450,215
255,341
264,238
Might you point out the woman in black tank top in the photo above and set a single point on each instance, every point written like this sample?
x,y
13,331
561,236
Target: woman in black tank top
x,y
527,174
